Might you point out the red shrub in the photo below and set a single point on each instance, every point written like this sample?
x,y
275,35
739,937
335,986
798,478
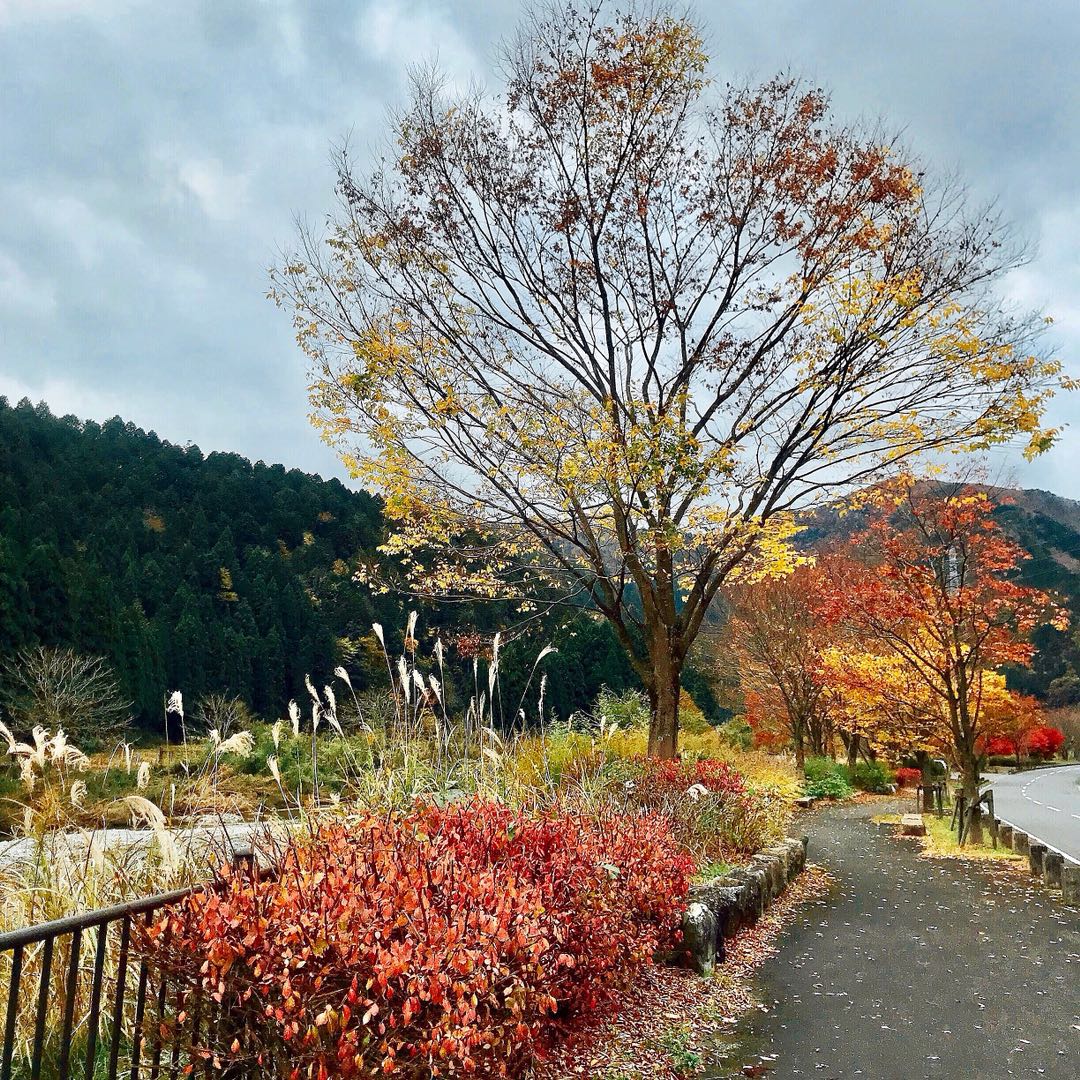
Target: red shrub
x,y
673,777
1044,741
907,777
444,942
713,813
1001,746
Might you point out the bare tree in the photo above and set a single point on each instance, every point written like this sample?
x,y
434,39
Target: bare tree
x,y
222,713
60,688
608,329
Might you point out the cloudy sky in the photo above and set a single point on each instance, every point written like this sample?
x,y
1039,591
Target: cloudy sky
x,y
154,156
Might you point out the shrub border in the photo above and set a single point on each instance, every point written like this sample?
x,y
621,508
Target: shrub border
x,y
719,908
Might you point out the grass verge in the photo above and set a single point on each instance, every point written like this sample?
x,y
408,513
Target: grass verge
x,y
940,841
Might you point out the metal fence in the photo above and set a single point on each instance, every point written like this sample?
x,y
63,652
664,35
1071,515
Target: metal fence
x,y
82,1001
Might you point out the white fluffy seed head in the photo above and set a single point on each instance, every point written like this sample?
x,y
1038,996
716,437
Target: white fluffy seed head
x,y
243,742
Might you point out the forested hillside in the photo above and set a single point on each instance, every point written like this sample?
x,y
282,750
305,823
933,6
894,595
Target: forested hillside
x,y
1048,527
208,573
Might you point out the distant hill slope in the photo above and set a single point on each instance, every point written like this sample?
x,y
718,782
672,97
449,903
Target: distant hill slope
x,y
208,573
1047,526
192,571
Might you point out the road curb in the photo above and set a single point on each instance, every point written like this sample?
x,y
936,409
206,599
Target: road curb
x,y
720,908
1053,867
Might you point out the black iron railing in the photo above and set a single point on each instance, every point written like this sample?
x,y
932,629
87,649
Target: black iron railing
x,y
83,1000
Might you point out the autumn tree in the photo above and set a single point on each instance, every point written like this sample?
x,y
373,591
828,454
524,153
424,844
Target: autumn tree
x,y
940,600
1009,723
602,330
881,703
780,640
881,699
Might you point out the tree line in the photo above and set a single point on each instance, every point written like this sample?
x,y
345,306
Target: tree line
x,y
212,574
897,639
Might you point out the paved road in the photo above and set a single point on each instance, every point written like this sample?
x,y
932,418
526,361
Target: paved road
x,y
916,968
1044,803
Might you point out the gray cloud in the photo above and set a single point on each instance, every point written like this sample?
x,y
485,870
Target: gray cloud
x,y
153,157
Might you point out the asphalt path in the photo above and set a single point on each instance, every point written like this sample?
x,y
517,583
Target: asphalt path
x,y
913,967
1044,803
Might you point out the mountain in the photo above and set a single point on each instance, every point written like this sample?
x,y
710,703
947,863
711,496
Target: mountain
x,y
1047,526
210,574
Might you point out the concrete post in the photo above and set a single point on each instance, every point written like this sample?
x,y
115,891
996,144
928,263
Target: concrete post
x,y
1036,855
1020,842
1005,835
1053,864
1070,884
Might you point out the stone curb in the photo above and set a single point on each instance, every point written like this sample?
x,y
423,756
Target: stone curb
x,y
720,908
1049,866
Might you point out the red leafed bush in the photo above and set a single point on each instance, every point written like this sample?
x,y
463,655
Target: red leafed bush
x,y
1001,746
444,942
713,812
716,777
906,777
1041,742
1044,741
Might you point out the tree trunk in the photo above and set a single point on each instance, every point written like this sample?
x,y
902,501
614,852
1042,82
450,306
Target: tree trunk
x,y
800,754
664,699
969,772
926,766
853,750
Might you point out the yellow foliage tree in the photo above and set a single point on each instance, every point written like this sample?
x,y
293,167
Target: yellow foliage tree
x,y
598,335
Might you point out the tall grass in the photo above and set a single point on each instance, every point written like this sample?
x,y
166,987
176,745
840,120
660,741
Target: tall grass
x,y
335,754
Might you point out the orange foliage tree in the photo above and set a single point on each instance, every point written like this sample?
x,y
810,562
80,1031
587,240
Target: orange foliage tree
x,y
939,599
1013,724
780,640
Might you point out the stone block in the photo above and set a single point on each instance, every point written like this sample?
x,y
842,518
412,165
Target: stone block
x,y
912,825
758,883
699,938
796,857
728,900
1020,843
779,852
1070,884
1036,854
1053,865
1005,836
775,879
